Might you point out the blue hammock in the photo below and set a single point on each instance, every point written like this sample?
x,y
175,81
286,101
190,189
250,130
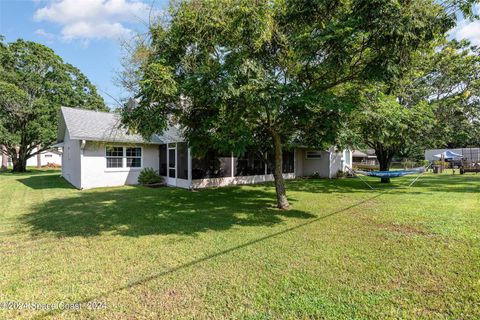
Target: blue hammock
x,y
391,174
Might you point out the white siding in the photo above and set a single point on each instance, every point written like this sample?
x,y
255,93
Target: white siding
x,y
71,169
96,174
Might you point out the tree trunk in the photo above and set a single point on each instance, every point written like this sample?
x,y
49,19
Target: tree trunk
x,y
19,161
282,201
4,155
385,159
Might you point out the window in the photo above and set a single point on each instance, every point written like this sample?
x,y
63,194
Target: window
x,y
347,159
48,156
313,154
134,157
115,157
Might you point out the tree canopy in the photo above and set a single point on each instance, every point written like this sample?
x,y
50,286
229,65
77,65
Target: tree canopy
x,y
235,74
452,85
34,84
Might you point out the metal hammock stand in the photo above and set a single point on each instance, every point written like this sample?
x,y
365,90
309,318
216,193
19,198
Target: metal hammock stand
x,y
389,174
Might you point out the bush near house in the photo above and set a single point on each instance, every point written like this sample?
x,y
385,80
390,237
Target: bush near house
x,y
149,176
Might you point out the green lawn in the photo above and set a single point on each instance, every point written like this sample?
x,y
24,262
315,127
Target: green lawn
x,y
341,252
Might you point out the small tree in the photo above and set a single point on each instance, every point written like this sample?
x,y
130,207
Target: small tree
x,y
34,83
233,73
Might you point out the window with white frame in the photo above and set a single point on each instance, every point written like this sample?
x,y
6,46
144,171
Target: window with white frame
x,y
313,154
114,157
134,157
123,157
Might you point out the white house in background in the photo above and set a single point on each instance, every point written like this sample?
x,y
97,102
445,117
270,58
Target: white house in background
x,y
46,157
98,152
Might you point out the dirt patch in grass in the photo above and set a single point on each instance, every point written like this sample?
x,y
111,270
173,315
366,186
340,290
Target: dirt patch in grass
x,y
404,229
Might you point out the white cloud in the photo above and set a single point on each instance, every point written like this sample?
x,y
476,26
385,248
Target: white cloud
x,y
469,30
93,19
43,33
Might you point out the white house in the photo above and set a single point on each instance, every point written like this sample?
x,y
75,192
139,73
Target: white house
x,y
46,157
98,152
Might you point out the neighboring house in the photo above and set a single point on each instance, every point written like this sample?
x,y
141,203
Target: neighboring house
x,y
365,157
46,157
98,152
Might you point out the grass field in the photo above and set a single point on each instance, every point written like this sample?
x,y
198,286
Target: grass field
x,y
341,252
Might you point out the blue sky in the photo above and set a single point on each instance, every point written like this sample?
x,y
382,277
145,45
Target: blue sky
x,y
87,33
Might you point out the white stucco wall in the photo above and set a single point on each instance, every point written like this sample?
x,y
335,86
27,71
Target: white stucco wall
x,y
71,169
307,167
336,163
96,174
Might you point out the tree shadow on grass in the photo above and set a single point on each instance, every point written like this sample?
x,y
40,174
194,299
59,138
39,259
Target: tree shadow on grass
x,y
195,262
138,211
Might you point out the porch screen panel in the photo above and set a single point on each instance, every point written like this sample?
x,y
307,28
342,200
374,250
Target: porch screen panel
x,y
249,164
182,158
163,160
288,162
212,165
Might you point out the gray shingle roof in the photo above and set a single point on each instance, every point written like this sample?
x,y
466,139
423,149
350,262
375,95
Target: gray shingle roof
x,y
105,126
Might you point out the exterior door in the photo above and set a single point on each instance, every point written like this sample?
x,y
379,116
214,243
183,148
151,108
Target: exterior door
x,y
172,164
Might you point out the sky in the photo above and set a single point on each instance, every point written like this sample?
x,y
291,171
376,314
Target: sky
x,y
88,33
85,33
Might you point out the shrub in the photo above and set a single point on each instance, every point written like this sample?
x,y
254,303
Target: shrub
x,y
149,176
315,175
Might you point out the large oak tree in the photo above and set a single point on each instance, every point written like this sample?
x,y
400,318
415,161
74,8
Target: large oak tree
x,y
233,73
34,84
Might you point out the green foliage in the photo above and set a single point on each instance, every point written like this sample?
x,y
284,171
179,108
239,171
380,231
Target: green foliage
x,y
149,176
34,84
382,122
272,73
452,86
